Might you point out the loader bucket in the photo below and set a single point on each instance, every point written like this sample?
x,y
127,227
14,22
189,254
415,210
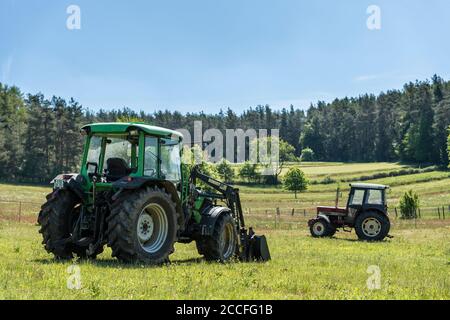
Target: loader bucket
x,y
260,248
256,248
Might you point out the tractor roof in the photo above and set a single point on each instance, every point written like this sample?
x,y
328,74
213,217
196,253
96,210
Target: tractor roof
x,y
368,186
124,127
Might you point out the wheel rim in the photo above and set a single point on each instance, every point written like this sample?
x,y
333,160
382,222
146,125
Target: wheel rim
x,y
152,228
371,227
318,228
227,242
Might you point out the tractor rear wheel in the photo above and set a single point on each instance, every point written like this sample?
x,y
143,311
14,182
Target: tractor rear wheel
x,y
321,228
222,245
372,226
57,219
143,226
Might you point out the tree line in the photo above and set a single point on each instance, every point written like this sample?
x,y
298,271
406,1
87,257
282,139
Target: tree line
x,y
39,136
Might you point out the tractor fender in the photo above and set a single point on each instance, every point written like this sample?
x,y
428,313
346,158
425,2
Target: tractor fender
x,y
210,215
324,216
133,183
76,186
70,182
373,209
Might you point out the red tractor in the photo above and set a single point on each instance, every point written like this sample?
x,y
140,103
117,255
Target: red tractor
x,y
366,211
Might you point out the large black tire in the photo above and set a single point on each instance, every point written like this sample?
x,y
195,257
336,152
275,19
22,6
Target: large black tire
x,y
57,219
223,244
129,225
372,226
320,228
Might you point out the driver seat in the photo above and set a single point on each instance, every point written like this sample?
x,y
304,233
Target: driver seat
x,y
116,168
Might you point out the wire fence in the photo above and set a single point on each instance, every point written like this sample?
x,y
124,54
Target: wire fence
x,y
294,218
273,218
21,211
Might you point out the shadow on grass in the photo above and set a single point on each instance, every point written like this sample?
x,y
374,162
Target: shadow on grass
x,y
387,240
114,263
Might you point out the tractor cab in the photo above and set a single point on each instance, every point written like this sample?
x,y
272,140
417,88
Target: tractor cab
x,y
364,196
114,151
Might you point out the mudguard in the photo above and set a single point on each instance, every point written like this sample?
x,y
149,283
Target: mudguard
x,y
324,216
72,182
209,217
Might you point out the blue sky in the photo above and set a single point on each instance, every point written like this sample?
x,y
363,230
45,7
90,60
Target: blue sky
x,y
210,54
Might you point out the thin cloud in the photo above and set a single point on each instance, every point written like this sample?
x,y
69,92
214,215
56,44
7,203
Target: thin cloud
x,y
392,76
368,77
6,69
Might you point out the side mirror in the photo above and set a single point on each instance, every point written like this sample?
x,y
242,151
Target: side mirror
x,y
90,166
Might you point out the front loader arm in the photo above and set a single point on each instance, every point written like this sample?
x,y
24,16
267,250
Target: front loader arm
x,y
252,247
225,192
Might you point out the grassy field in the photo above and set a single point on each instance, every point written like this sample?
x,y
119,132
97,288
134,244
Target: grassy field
x,y
415,264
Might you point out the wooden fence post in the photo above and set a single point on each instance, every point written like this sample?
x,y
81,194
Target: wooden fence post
x,y
396,215
443,213
293,211
277,216
304,212
420,214
439,213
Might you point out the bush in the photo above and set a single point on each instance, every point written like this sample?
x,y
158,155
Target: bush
x,y
225,171
307,155
249,172
295,180
328,180
409,204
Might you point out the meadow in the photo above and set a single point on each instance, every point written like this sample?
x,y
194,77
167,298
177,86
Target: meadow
x,y
414,264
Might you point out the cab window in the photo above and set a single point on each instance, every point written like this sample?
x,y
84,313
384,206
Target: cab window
x,y
117,148
375,197
95,148
357,198
151,157
170,160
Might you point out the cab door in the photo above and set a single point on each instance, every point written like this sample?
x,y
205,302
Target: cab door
x,y
355,202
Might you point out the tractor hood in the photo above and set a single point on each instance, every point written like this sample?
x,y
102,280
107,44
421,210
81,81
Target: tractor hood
x,y
124,127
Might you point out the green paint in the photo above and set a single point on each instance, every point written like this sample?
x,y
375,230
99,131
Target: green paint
x,y
197,207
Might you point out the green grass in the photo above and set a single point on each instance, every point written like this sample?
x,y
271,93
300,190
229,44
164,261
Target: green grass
x,y
414,265
314,171
24,193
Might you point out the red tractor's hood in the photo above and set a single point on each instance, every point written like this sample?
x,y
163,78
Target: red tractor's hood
x,y
331,209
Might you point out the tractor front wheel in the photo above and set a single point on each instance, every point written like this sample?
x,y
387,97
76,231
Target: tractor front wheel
x,y
222,245
143,226
372,226
321,228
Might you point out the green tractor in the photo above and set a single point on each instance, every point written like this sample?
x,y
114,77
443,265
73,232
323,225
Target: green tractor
x,y
134,195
